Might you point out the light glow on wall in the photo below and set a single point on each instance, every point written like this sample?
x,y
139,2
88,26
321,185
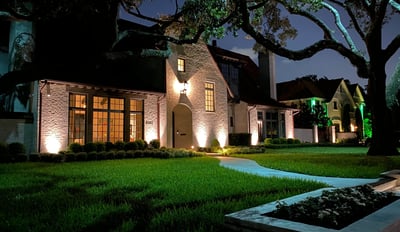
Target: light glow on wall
x,y
181,87
221,136
52,144
254,138
202,136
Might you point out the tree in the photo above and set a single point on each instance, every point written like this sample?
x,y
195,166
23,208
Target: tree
x,y
310,116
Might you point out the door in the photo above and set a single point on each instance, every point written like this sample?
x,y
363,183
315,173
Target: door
x,y
183,132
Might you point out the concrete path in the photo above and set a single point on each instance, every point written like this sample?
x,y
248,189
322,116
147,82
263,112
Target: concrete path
x,y
251,167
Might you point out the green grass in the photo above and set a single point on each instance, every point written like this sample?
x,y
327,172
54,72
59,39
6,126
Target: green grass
x,y
326,161
188,194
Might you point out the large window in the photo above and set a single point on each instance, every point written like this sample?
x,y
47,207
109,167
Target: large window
x,y
108,119
77,118
136,120
209,97
271,120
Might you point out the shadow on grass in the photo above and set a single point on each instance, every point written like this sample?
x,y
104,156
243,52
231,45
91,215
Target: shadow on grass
x,y
44,205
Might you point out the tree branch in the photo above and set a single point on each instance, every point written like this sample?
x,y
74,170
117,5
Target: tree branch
x,y
342,29
307,52
392,48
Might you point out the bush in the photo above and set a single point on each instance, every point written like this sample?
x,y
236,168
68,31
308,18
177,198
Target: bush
x,y
92,155
120,154
141,144
34,157
109,155
16,148
268,141
130,146
75,147
100,146
119,145
88,147
109,146
81,156
70,156
215,146
240,139
155,143
4,155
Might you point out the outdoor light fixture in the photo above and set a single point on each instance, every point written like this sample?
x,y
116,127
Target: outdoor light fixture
x,y
184,87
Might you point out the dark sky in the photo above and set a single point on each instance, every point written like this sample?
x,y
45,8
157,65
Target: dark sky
x,y
326,63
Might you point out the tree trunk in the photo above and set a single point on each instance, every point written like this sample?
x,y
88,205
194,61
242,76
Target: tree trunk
x,y
383,141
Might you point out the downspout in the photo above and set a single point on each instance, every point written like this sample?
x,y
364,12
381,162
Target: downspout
x,y
248,117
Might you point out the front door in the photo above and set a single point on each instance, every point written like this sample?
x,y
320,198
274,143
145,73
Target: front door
x,y
183,132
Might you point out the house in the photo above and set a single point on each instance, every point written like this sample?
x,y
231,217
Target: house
x,y
252,106
344,103
62,86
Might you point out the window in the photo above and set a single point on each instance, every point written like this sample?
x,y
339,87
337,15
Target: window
x,y
181,65
108,119
77,118
271,124
335,105
136,120
209,97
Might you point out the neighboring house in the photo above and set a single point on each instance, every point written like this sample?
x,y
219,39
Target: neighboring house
x,y
344,103
253,108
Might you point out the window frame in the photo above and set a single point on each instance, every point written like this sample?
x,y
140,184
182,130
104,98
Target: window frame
x,y
209,96
181,65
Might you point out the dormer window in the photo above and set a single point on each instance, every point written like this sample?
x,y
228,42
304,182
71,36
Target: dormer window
x,y
181,65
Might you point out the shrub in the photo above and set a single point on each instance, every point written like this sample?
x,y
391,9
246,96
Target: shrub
x,y
130,154
141,144
119,145
215,146
268,141
4,155
110,155
92,155
88,147
130,146
75,147
120,154
70,156
100,146
155,143
109,146
34,157
102,155
240,139
21,157
16,148
81,156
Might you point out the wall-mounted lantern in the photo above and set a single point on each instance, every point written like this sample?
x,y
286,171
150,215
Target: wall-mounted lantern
x,y
184,87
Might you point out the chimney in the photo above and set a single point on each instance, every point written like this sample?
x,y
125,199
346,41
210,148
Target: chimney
x,y
214,43
266,64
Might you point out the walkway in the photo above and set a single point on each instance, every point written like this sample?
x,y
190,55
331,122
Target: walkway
x,y
251,167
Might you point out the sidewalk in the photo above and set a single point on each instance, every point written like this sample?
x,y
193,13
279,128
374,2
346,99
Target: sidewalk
x,y
251,167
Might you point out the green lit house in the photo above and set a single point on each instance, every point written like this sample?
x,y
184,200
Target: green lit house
x,y
344,103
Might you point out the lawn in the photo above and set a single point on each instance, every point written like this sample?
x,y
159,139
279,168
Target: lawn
x,y
326,161
185,194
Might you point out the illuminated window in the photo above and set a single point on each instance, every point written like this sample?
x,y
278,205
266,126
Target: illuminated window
x,y
136,120
77,118
209,97
108,119
181,65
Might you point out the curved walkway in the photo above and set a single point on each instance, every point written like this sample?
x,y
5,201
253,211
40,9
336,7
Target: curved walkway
x,y
251,167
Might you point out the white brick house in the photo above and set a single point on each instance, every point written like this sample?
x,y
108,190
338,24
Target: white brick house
x,y
181,98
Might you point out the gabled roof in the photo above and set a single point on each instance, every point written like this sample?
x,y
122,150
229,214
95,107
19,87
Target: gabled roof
x,y
250,86
303,88
121,67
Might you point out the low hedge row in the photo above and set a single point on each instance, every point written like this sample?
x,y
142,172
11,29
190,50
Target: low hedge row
x,y
69,156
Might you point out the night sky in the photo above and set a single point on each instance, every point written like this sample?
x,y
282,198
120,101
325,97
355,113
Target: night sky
x,y
327,63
